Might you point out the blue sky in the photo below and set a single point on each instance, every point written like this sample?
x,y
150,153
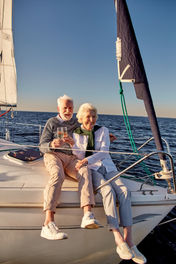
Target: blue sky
x,y
68,47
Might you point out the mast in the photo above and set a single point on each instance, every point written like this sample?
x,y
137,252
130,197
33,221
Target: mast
x,y
131,69
8,87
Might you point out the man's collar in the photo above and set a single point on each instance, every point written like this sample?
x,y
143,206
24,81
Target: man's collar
x,y
59,118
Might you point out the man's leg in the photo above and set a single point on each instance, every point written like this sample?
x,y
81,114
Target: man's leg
x,y
52,191
84,177
51,195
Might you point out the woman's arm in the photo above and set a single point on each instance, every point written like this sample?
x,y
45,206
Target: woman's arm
x,y
102,146
102,143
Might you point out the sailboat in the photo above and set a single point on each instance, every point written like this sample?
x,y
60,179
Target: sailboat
x,y
22,181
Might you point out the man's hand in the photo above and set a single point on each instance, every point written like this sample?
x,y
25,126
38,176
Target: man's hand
x,y
56,143
81,163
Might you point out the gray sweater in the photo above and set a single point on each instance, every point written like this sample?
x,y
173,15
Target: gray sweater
x,y
50,132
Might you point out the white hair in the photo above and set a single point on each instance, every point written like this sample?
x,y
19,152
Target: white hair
x,y
83,109
64,97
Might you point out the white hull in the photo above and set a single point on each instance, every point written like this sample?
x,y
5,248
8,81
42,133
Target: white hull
x,y
23,244
21,217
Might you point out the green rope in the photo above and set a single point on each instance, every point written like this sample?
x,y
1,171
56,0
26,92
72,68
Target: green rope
x,y
126,120
128,127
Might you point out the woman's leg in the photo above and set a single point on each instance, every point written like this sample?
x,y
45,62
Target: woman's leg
x,y
108,198
124,199
127,234
125,213
109,203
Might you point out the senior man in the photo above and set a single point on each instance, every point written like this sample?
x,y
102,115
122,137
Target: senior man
x,y
59,159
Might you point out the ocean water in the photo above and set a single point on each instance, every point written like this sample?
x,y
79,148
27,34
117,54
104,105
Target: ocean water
x,y
160,245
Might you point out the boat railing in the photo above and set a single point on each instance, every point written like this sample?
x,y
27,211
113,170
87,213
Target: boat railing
x,y
146,156
152,138
8,137
7,133
144,144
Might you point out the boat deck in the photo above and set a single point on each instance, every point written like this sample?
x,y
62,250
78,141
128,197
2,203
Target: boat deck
x,y
25,183
22,184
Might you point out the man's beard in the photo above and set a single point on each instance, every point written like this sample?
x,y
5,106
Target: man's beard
x,y
64,117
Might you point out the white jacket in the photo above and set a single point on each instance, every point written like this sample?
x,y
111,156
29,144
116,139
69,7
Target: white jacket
x,y
97,159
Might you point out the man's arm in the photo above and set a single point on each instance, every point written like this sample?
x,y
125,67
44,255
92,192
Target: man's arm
x,y
46,138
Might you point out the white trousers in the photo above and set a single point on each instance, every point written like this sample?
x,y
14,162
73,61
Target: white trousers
x,y
112,192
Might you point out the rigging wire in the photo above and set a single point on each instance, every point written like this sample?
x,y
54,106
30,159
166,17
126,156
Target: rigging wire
x,y
128,127
6,112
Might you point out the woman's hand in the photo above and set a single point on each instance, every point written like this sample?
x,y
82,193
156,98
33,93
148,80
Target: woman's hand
x,y
69,140
81,163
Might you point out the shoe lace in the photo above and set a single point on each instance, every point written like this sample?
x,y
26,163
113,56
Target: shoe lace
x,y
53,228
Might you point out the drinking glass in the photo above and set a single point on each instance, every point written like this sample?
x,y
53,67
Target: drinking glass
x,y
65,132
60,132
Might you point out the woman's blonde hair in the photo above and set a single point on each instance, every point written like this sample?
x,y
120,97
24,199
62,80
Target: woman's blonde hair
x,y
83,109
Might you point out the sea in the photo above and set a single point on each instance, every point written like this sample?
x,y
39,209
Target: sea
x,y
159,246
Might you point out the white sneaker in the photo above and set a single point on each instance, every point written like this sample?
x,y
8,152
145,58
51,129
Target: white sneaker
x,y
52,232
124,251
138,257
89,221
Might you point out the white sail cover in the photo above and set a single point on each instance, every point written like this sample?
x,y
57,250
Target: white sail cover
x,y
8,87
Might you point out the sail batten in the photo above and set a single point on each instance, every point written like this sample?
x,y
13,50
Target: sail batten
x,y
131,67
8,83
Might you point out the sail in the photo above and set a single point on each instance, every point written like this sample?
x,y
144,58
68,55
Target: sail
x,y
8,87
131,68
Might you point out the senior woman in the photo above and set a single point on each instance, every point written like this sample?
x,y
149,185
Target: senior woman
x,y
90,137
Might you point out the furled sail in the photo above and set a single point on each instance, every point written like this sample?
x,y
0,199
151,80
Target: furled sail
x,y
131,68
8,87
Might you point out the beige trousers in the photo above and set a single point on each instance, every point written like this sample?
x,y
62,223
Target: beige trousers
x,y
57,164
